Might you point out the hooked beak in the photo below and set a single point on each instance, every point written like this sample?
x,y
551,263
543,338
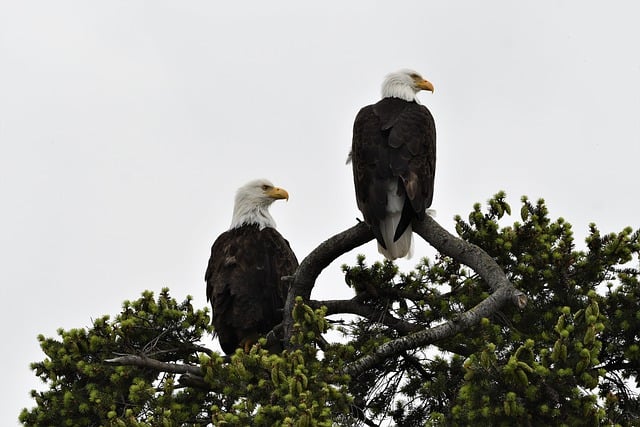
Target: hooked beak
x,y
278,193
424,85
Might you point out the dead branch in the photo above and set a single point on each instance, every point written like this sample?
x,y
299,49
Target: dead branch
x,y
376,316
146,362
429,336
481,263
313,264
447,244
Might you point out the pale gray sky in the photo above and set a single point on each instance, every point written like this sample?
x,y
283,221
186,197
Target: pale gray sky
x,y
126,127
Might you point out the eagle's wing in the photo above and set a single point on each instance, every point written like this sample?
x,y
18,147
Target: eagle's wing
x,y
393,140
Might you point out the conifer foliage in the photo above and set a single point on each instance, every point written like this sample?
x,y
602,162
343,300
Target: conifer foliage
x,y
570,356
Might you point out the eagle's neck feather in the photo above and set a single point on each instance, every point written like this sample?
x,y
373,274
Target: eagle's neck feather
x,y
396,88
247,214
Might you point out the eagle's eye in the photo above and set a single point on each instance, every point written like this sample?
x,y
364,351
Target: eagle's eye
x,y
265,187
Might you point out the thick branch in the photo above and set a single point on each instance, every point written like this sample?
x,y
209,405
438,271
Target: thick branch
x,y
481,263
462,251
429,336
313,264
458,249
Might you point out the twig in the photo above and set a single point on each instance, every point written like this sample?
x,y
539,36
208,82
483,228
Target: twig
x,y
353,306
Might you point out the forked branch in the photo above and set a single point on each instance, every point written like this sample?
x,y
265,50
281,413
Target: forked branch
x,y
447,244
311,266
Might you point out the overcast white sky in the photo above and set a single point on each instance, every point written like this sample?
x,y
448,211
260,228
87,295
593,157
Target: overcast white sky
x,y
126,127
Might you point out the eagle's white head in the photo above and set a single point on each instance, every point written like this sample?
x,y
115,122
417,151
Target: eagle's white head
x,y
252,204
404,84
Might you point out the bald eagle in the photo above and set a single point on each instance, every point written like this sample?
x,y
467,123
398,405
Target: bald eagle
x,y
245,269
394,159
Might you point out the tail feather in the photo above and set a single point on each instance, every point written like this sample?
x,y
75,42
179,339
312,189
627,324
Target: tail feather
x,y
397,246
400,247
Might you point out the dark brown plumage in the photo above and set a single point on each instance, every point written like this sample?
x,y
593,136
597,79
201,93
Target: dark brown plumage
x,y
244,278
394,159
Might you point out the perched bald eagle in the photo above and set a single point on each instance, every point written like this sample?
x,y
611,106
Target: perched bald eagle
x,y
245,269
394,160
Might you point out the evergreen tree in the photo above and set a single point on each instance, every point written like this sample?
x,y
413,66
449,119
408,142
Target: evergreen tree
x,y
440,345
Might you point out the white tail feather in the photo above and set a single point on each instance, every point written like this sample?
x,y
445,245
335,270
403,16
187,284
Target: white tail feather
x,y
404,245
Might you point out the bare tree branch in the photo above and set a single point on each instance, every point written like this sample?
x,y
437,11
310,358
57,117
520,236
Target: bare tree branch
x,y
458,249
146,362
481,263
195,381
190,375
313,264
429,336
378,316
462,251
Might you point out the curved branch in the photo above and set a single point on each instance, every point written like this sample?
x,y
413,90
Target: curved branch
x,y
458,249
313,264
474,257
462,251
429,336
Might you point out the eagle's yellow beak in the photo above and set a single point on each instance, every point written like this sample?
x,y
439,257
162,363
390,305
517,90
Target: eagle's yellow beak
x,y
424,85
278,193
